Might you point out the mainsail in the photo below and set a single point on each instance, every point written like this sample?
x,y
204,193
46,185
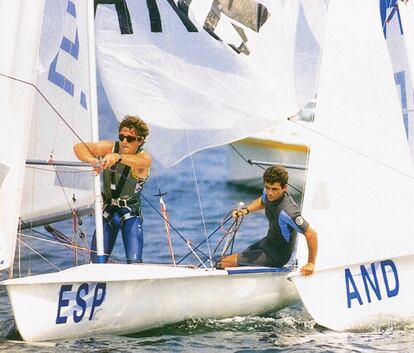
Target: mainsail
x,y
190,71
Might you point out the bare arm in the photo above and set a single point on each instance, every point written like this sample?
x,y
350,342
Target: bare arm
x,y
139,163
90,151
253,206
312,241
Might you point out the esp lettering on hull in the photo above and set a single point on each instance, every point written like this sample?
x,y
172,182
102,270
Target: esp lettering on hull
x,y
81,303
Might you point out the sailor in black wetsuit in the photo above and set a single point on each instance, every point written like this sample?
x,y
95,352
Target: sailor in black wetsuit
x,y
285,221
125,166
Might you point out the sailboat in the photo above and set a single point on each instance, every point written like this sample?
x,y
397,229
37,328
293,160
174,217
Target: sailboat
x,y
49,78
360,186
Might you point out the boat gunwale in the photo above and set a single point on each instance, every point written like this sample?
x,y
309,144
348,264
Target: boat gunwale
x,y
52,278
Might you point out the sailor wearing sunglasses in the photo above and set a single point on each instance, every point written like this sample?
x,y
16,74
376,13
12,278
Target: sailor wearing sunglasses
x,y
125,167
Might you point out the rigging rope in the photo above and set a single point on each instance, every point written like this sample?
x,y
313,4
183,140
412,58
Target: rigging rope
x,y
199,199
146,199
244,158
63,189
260,166
51,105
60,171
202,242
68,246
39,254
229,233
316,132
165,215
167,228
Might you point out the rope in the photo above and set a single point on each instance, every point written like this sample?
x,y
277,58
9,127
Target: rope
x,y
61,239
316,132
199,198
195,254
260,166
230,233
63,189
165,215
168,222
167,228
60,171
201,243
79,229
245,159
51,105
71,247
91,152
39,254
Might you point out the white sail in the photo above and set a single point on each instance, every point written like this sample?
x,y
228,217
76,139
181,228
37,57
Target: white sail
x,y
20,26
407,17
309,40
359,188
194,90
398,28
61,116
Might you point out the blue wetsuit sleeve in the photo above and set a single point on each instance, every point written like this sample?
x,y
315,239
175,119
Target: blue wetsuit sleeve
x,y
294,219
263,197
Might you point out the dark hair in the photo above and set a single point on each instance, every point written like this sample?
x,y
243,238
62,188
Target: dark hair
x,y
136,123
276,174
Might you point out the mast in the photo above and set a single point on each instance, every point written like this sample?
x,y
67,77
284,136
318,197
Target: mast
x,y
95,128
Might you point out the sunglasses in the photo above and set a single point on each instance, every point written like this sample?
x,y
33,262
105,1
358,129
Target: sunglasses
x,y
129,138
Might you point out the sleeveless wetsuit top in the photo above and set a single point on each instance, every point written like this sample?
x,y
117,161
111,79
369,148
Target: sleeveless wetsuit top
x,y
119,182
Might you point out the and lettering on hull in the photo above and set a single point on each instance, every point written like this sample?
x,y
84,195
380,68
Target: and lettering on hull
x,y
79,303
375,281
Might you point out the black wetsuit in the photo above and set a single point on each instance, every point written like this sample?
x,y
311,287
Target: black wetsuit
x,y
119,183
276,248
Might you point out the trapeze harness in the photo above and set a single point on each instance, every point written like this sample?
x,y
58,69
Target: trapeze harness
x,y
122,210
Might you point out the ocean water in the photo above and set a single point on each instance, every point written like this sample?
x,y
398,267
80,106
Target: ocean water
x,y
289,330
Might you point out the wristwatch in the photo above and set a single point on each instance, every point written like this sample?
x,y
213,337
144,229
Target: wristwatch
x,y
119,158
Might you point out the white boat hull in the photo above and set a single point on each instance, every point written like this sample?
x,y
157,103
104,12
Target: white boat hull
x,y
119,299
359,296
